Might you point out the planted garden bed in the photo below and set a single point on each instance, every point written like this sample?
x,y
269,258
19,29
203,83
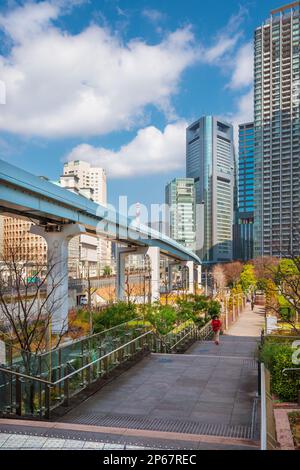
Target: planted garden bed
x,y
294,419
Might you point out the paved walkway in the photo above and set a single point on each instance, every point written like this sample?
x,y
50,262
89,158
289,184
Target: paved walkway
x,y
203,399
34,442
209,390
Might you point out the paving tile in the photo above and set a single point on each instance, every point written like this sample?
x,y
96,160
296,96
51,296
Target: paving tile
x,y
52,443
3,438
34,442
73,444
93,445
113,447
15,441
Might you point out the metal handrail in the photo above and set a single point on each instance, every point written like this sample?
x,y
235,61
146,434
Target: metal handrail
x,y
181,339
62,346
25,376
66,377
289,369
189,332
86,338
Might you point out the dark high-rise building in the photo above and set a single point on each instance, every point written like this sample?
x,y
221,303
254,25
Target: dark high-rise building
x,y
245,194
277,133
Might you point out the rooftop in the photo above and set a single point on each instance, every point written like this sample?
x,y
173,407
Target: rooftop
x,y
285,7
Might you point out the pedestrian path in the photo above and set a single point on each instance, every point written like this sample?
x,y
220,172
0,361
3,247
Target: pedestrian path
x,y
241,338
204,399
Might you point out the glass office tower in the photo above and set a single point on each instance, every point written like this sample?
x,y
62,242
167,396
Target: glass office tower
x,y
180,200
210,161
245,213
277,133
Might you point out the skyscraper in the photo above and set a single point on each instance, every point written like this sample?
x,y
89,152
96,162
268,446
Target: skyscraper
x,y
210,161
277,133
181,202
245,212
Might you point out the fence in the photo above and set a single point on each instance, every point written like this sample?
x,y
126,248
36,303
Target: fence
x,y
74,367
178,342
72,355
25,395
268,428
232,309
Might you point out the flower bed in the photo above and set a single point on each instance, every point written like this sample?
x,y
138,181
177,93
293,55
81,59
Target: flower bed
x,y
294,419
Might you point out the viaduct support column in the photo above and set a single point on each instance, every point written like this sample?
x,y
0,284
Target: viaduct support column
x,y
199,276
57,238
154,255
121,254
190,283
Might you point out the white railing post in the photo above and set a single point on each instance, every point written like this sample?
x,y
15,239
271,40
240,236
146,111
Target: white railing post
x,y
263,426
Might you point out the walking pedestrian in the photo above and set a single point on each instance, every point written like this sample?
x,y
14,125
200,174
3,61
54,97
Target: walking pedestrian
x,y
216,327
252,302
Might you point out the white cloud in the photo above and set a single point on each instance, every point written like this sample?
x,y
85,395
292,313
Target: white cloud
x,y
150,152
153,15
29,21
243,67
91,83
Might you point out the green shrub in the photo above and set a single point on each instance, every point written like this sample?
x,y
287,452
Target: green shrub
x,y
114,315
276,357
214,308
192,308
161,317
185,309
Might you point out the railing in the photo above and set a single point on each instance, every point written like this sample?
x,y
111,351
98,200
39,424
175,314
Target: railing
x,y
179,341
24,395
72,368
268,427
53,364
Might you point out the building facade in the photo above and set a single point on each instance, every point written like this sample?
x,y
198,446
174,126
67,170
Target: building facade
x,y
277,133
180,202
24,246
210,161
245,209
90,182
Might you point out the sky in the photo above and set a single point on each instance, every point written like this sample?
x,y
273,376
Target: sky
x,y
116,82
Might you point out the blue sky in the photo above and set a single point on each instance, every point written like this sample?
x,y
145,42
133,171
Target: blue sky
x,y
115,82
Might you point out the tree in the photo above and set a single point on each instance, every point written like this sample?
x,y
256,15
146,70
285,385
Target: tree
x,y
232,272
264,269
29,298
30,295
287,281
247,278
219,276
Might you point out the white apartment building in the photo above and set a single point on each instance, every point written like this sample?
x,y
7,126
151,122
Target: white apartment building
x,y
89,181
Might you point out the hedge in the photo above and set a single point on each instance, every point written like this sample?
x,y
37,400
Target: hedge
x,y
276,357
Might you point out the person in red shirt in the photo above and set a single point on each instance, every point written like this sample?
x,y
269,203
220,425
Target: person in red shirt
x,y
216,327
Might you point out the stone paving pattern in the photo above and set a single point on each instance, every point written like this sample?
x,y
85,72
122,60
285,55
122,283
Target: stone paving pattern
x,y
25,442
210,384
